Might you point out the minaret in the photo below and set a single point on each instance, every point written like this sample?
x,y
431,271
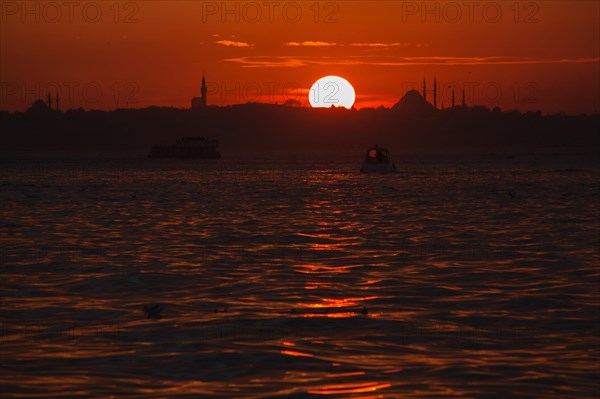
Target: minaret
x,y
49,101
57,102
424,90
453,97
464,102
203,92
434,92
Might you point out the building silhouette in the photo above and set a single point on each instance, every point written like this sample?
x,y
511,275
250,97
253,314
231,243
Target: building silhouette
x,y
200,102
453,99
434,91
413,102
40,105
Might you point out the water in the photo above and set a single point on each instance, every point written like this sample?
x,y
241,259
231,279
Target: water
x,y
478,275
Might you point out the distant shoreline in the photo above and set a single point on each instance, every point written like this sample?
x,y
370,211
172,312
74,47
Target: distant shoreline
x,y
411,126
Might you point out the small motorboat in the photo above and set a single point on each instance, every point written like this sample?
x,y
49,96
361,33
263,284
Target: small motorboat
x,y
378,161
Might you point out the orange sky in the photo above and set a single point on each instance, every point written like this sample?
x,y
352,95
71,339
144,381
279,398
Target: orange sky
x,y
103,54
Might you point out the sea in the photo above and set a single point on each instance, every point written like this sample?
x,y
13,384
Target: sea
x,y
460,276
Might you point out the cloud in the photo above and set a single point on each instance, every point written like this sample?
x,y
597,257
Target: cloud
x,y
230,43
380,45
299,61
310,44
267,62
330,44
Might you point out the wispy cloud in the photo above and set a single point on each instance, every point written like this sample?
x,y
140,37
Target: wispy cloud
x,y
310,44
267,62
330,44
379,45
299,61
230,43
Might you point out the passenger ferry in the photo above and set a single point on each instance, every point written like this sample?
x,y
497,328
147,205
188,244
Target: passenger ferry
x,y
378,160
188,148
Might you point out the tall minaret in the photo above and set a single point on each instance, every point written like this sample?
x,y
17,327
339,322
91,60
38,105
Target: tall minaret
x,y
57,102
453,97
49,101
464,102
434,92
424,90
203,92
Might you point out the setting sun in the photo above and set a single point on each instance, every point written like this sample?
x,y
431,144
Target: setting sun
x,y
332,91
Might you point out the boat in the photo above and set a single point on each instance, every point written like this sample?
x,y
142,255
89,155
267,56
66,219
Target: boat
x,y
378,160
188,148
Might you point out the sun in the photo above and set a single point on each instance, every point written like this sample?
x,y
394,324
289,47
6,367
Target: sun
x,y
331,91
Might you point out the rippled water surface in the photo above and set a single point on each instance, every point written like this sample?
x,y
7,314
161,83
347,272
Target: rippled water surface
x,y
469,277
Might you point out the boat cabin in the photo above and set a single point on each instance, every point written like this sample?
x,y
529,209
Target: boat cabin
x,y
377,155
378,160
